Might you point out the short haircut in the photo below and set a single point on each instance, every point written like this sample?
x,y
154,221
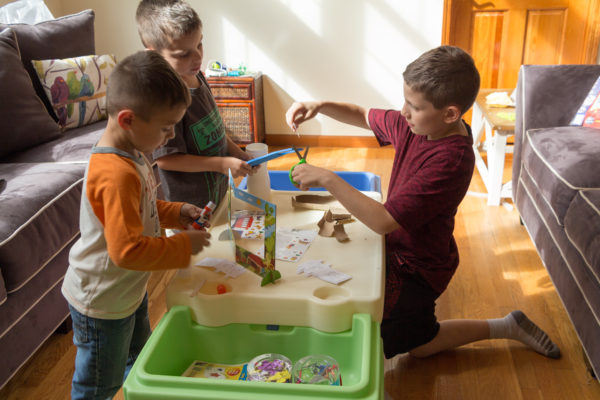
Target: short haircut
x,y
445,75
145,82
161,21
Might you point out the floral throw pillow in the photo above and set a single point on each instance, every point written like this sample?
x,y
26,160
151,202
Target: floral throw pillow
x,y
76,87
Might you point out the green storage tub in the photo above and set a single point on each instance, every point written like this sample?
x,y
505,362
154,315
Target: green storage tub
x,y
177,341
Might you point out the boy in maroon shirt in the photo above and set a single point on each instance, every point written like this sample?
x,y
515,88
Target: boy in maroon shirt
x,y
430,176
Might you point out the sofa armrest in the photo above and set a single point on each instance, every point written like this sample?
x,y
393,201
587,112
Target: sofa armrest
x,y
547,96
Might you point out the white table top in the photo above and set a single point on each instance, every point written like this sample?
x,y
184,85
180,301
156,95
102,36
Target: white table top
x,y
295,299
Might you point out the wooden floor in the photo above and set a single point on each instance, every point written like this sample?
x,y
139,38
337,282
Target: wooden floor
x,y
499,272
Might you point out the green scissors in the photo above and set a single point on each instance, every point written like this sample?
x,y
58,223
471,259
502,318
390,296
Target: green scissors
x,y
302,161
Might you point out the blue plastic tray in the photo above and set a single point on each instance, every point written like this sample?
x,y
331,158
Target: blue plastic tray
x,y
363,181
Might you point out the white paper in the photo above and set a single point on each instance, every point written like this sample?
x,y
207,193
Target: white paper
x,y
323,271
229,268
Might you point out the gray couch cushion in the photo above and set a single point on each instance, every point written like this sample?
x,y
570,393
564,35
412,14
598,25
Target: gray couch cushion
x,y
561,161
74,146
25,122
37,216
65,37
582,226
2,289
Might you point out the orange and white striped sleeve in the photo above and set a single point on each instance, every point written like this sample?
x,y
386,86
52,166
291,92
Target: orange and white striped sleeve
x,y
114,190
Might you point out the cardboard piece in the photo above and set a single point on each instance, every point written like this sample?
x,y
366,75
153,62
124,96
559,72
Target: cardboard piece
x,y
316,202
330,226
262,266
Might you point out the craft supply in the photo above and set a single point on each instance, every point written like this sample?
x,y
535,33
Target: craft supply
x,y
229,268
205,214
270,156
318,370
201,369
322,270
221,289
302,159
270,367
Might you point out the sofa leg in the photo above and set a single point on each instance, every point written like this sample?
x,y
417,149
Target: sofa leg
x,y
588,365
66,326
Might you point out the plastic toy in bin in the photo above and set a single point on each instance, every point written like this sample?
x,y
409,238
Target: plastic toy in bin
x,y
270,367
317,369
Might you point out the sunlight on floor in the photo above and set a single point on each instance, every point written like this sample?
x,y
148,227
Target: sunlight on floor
x,y
531,282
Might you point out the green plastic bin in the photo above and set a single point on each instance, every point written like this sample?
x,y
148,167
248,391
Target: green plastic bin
x,y
177,341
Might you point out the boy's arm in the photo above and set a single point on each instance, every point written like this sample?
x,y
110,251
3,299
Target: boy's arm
x,y
114,191
369,211
193,163
235,151
169,214
347,113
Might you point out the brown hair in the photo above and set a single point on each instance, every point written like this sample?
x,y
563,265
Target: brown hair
x,y
445,75
145,82
160,21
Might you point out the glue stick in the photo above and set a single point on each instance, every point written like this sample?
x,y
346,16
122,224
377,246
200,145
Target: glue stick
x,y
205,214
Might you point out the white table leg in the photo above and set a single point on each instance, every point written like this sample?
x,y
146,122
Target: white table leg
x,y
495,155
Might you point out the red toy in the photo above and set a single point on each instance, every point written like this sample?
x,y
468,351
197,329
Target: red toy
x,y
221,289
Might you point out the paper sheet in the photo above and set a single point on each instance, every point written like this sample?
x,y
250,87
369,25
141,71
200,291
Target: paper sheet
x,y
291,244
229,268
322,270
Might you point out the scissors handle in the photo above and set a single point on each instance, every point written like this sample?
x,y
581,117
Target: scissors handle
x,y
302,161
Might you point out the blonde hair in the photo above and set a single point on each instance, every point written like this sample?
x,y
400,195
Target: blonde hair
x,y
144,82
161,21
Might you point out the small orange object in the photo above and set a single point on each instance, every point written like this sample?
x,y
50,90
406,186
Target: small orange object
x,y
221,289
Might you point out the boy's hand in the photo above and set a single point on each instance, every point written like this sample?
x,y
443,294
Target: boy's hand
x,y
188,214
300,112
198,240
238,167
309,176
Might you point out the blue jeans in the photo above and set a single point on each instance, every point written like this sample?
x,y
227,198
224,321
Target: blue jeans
x,y
106,351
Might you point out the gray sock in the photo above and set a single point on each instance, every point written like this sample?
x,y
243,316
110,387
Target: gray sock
x,y
517,326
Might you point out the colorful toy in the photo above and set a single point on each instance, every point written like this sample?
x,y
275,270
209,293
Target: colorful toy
x,y
263,266
202,220
317,369
270,367
302,161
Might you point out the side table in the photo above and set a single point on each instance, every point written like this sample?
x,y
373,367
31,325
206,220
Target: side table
x,y
240,102
498,123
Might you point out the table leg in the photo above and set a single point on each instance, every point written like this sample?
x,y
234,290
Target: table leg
x,y
495,154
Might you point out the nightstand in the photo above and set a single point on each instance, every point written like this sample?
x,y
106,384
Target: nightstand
x,y
240,102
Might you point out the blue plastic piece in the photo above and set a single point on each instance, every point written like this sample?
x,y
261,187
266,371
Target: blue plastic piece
x,y
363,181
270,156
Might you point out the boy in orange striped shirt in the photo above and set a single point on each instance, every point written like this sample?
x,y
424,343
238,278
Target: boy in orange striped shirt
x,y
120,223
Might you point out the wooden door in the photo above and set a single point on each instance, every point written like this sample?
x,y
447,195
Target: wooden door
x,y
501,35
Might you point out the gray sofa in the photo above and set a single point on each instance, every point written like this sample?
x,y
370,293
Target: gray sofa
x,y
41,170
556,188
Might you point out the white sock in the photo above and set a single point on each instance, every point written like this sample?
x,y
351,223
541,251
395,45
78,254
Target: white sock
x,y
517,326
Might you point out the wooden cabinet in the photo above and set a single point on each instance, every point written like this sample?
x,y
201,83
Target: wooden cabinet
x,y
240,102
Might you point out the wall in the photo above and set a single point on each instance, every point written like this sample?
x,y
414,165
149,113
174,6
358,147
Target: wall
x,y
347,50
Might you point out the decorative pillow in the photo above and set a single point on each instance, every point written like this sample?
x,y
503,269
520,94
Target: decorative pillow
x,y
25,121
64,37
590,105
76,87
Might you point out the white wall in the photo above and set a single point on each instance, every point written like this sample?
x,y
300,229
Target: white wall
x,y
348,50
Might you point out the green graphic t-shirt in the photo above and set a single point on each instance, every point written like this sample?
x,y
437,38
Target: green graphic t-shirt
x,y
201,132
